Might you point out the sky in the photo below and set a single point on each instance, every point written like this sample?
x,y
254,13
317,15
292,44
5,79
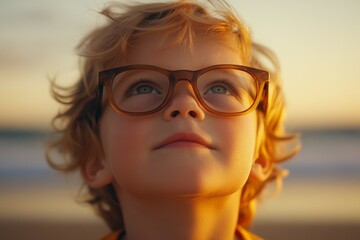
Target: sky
x,y
317,43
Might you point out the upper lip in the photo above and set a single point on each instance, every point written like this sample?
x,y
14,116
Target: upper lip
x,y
184,136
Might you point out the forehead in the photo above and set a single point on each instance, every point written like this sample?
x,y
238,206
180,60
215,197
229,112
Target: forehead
x,y
164,50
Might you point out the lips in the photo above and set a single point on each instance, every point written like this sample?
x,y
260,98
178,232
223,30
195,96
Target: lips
x,y
184,139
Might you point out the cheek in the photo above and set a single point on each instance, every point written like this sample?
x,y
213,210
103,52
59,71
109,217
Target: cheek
x,y
238,145
124,147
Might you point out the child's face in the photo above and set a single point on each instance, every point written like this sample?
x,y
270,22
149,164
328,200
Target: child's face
x,y
183,168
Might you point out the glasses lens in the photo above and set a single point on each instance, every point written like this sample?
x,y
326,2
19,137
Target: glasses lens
x,y
227,90
139,90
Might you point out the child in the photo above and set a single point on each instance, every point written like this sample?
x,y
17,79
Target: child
x,y
174,127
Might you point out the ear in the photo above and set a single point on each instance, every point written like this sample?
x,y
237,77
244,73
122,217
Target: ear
x,y
259,171
96,173
261,168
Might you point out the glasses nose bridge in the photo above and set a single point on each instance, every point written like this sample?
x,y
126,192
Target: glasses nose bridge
x,y
183,75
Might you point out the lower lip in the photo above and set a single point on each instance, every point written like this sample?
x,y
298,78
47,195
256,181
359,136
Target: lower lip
x,y
184,144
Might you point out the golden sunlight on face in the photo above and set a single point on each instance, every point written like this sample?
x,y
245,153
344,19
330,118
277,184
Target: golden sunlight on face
x,y
182,150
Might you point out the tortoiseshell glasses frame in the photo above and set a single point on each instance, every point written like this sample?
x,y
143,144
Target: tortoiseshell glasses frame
x,y
106,79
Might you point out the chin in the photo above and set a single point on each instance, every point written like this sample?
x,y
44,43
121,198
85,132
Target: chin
x,y
183,184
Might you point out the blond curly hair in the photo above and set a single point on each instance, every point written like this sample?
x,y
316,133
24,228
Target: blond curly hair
x,y
76,123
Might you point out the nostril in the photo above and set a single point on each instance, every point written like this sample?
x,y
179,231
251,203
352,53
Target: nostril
x,y
192,114
174,113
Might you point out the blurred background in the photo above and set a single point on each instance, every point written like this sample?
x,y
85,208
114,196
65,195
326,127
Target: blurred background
x,y
317,43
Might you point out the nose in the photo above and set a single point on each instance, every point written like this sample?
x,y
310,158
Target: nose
x,y
183,103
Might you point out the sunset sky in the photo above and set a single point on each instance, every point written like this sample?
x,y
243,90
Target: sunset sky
x,y
317,42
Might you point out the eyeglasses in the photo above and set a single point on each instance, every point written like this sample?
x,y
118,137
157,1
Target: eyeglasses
x,y
226,90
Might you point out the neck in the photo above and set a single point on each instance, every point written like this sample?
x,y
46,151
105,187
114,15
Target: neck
x,y
190,218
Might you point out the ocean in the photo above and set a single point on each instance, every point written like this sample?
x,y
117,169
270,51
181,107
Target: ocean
x,y
327,154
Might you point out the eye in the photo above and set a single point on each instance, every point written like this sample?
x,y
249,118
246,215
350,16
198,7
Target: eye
x,y
221,87
142,87
217,89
